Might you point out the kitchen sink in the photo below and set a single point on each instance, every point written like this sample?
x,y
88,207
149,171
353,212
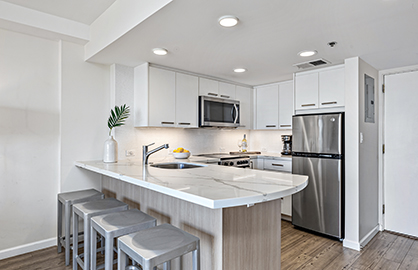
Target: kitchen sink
x,y
177,165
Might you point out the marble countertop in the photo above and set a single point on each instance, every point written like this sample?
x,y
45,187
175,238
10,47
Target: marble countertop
x,y
212,186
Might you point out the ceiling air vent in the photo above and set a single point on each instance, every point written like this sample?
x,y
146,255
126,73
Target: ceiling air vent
x,y
313,63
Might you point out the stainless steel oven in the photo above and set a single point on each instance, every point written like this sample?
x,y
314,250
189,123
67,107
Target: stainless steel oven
x,y
218,112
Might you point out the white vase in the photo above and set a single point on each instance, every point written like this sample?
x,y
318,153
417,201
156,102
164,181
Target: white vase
x,y
110,153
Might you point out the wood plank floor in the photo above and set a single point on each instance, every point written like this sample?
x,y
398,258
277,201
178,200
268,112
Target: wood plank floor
x,y
300,250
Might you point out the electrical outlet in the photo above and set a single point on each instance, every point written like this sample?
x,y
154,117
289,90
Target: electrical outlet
x,y
263,149
129,153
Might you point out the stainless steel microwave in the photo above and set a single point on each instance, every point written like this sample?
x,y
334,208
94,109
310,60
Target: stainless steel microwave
x,y
218,112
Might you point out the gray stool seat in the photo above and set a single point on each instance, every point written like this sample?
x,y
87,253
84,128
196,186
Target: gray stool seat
x,y
114,225
86,211
67,200
158,245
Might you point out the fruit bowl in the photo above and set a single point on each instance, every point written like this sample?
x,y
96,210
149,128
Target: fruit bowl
x,y
182,155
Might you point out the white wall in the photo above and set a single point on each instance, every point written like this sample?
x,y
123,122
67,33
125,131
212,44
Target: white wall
x,y
352,153
368,161
85,89
29,140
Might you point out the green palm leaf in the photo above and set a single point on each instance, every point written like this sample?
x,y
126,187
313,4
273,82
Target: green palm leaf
x,y
117,117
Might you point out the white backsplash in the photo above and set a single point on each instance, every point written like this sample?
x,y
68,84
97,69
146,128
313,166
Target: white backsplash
x,y
197,141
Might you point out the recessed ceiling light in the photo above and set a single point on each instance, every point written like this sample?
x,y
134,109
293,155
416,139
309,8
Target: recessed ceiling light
x,y
307,53
228,21
240,70
160,51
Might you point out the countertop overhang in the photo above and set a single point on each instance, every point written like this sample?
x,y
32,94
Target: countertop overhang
x,y
211,186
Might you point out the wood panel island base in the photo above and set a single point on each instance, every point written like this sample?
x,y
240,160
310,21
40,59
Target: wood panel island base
x,y
235,212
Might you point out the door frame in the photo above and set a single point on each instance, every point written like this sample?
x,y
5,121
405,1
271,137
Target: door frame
x,y
381,140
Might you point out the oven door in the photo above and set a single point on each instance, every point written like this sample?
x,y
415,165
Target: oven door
x,y
217,112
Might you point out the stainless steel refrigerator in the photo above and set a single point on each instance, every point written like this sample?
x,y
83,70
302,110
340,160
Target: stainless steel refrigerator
x,y
318,151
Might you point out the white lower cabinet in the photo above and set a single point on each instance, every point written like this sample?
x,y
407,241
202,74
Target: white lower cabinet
x,y
281,165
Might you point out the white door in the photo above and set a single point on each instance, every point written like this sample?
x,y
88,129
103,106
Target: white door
x,y
401,153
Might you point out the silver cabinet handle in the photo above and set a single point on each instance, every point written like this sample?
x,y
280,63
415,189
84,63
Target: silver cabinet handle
x,y
329,103
184,124
225,96
285,125
278,165
167,123
308,105
212,94
270,125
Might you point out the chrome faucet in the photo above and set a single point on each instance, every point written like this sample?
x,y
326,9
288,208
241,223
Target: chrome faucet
x,y
146,153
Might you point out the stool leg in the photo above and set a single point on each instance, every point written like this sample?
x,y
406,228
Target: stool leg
x,y
67,225
167,265
86,242
196,257
75,241
59,226
122,259
93,252
108,253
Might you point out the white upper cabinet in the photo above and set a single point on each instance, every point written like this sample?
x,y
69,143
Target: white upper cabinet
x,y
267,107
331,85
162,97
212,88
306,91
208,87
244,94
187,90
320,89
274,106
285,105
226,90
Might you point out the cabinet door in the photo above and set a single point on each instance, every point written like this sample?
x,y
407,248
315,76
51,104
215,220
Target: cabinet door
x,y
243,94
306,91
268,107
208,87
285,105
331,88
162,97
287,205
226,90
187,88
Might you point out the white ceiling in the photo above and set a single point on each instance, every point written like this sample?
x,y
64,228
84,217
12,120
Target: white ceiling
x,y
267,39
83,11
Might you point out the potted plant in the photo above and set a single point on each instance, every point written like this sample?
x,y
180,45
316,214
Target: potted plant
x,y
117,118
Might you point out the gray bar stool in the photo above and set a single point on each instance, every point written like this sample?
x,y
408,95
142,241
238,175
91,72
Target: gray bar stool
x,y
154,246
114,225
67,200
86,211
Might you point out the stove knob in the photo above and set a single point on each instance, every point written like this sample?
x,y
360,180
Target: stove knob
x,y
231,163
245,162
239,162
225,163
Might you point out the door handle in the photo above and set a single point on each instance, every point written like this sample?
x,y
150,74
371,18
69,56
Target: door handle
x,y
212,94
236,113
308,105
278,165
270,125
167,123
329,103
225,96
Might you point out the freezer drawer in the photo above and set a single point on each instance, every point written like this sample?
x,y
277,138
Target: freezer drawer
x,y
318,207
320,133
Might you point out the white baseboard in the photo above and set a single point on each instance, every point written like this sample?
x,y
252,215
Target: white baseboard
x,y
366,239
351,244
19,250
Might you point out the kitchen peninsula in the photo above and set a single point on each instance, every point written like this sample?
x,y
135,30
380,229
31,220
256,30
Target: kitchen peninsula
x,y
235,212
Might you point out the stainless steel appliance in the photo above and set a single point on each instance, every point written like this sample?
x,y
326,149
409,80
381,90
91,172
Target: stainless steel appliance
x,y
226,159
287,144
218,112
318,151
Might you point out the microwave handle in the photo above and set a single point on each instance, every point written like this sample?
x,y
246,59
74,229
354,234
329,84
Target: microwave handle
x,y
236,114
